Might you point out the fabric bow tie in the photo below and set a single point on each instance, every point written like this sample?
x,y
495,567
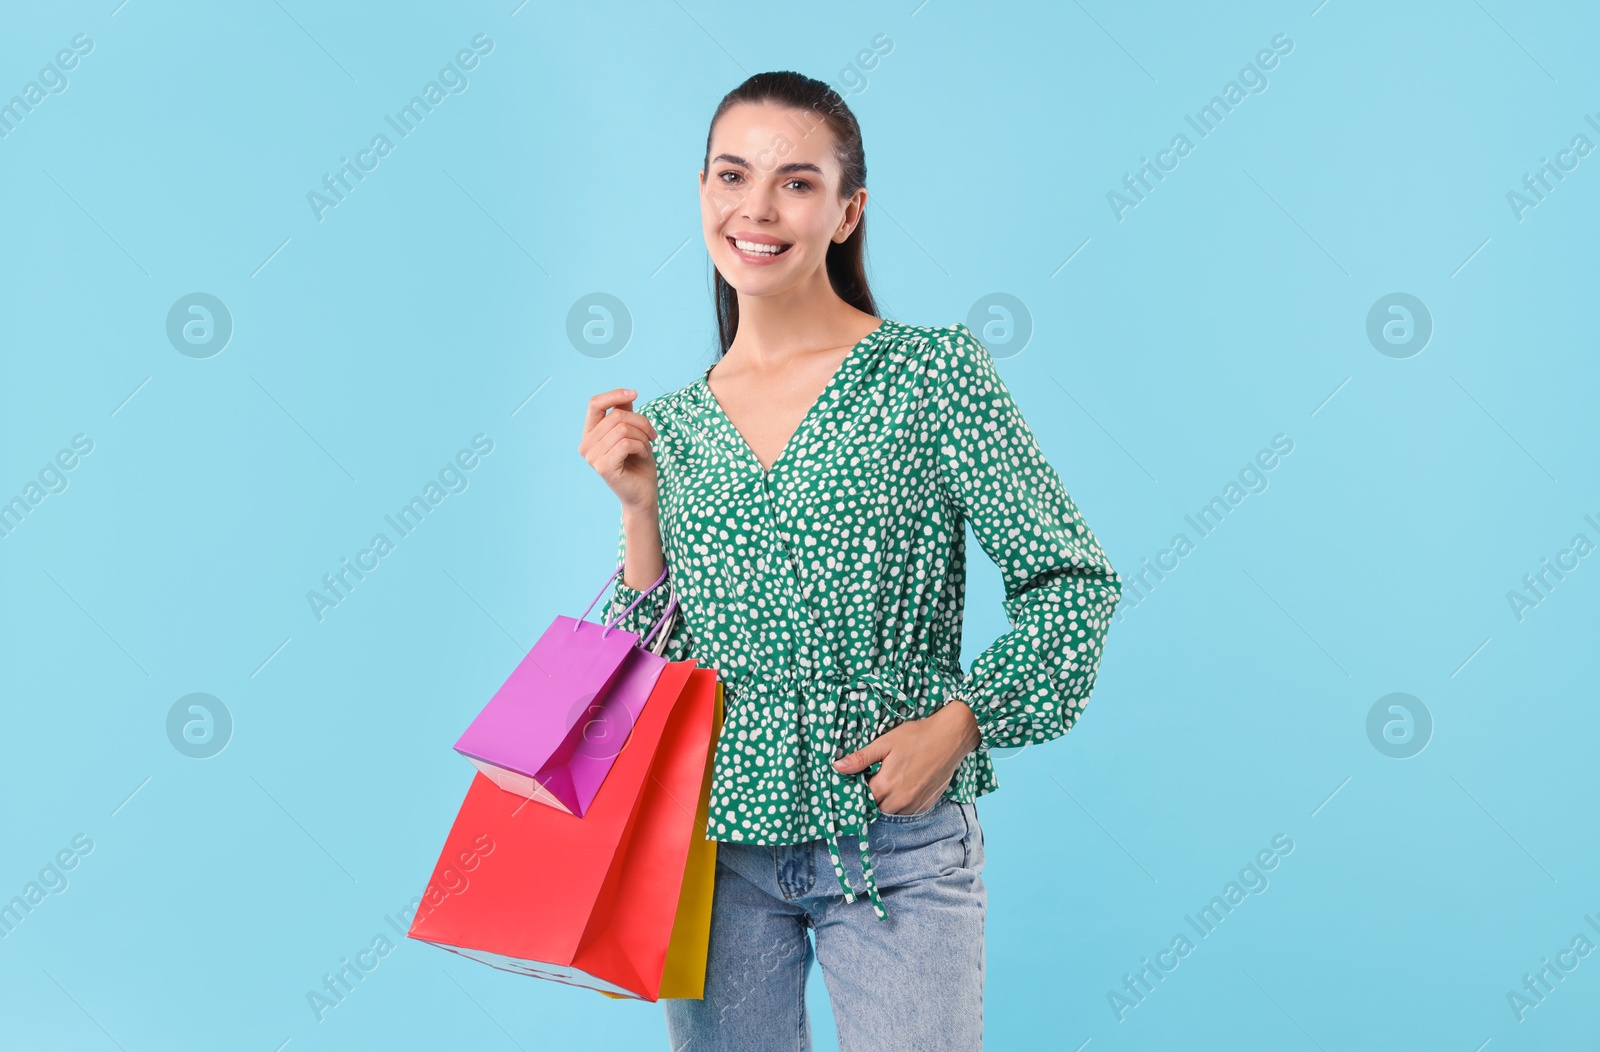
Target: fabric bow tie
x,y
855,722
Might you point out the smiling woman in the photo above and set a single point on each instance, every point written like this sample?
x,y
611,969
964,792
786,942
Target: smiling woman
x,y
763,186
808,496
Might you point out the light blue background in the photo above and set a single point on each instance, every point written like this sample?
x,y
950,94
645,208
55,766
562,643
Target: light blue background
x,y
431,306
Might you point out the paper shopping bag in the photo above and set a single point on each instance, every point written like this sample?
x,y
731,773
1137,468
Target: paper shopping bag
x,y
553,729
684,975
591,901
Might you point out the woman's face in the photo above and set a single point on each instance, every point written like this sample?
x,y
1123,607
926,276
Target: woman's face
x,y
770,185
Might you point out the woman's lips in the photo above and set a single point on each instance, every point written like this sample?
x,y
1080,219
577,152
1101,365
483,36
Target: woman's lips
x,y
758,259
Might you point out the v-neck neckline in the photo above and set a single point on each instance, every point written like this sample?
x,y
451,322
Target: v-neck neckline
x,y
840,375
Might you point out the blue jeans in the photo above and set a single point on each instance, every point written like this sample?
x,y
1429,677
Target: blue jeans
x,y
913,981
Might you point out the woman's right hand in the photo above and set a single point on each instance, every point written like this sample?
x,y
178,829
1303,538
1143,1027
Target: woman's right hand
x,y
617,445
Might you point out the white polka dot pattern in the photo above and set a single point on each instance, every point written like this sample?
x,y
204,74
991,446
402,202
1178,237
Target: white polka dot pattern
x,y
828,593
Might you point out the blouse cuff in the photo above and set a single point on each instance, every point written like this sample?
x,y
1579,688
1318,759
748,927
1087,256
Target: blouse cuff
x,y
992,696
1030,687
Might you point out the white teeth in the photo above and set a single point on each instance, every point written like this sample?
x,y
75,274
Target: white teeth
x,y
756,248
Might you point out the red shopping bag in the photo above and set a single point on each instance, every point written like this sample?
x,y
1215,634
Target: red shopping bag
x,y
591,901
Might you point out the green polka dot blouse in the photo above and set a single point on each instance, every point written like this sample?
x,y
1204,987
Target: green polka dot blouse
x,y
828,592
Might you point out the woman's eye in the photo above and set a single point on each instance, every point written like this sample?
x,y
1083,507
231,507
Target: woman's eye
x,y
730,177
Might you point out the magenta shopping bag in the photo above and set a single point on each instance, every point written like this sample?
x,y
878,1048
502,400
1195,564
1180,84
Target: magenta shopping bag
x,y
552,730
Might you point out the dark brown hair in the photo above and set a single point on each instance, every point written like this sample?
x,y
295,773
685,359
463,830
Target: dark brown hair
x,y
846,260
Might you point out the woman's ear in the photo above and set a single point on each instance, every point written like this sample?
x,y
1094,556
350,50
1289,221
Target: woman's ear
x,y
852,216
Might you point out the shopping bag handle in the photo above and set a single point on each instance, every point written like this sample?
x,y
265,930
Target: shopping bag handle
x,y
614,621
666,616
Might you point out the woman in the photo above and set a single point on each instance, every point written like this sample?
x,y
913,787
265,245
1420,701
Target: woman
x,y
809,493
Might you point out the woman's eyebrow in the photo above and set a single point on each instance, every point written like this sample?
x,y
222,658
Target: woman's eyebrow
x,y
792,166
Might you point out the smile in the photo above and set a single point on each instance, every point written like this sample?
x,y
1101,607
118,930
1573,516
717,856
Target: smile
x,y
757,252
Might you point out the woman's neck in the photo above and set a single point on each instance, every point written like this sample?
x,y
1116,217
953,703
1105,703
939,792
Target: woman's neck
x,y
774,328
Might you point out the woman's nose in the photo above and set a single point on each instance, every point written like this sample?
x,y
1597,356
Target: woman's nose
x,y
757,204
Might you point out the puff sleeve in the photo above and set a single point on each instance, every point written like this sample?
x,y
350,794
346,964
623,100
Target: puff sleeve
x,y
1031,684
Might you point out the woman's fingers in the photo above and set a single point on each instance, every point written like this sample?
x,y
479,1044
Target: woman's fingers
x,y
613,434
615,421
637,419
620,400
612,450
596,410
600,432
